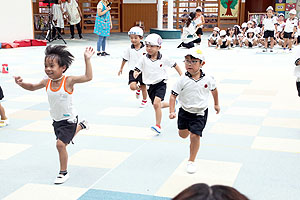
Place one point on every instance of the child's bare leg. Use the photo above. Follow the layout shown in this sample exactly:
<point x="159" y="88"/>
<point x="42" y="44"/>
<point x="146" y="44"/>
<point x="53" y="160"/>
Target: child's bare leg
<point x="2" y="113"/>
<point x="133" y="86"/>
<point x="285" y="42"/>
<point x="194" y="146"/>
<point x="272" y="42"/>
<point x="266" y="43"/>
<point x="290" y="43"/>
<point x="184" y="133"/>
<point x="157" y="108"/>
<point x="144" y="91"/>
<point x="164" y="104"/>
<point x="63" y="154"/>
<point x="78" y="128"/>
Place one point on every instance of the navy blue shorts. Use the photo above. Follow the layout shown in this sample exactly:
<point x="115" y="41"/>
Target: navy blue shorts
<point x="65" y="130"/>
<point x="298" y="88"/>
<point x="193" y="122"/>
<point x="137" y="80"/>
<point x="157" y="90"/>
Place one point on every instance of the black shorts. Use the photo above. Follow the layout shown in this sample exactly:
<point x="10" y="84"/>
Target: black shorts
<point x="199" y="31"/>
<point x="64" y="130"/>
<point x="1" y="93"/>
<point x="137" y="80"/>
<point x="298" y="88"/>
<point x="298" y="39"/>
<point x="157" y="90"/>
<point x="287" y="35"/>
<point x="193" y="122"/>
<point x="224" y="45"/>
<point x="268" y="34"/>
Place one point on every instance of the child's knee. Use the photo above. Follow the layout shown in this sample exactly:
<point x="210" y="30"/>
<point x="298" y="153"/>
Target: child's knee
<point x="184" y="133"/>
<point x="60" y="145"/>
<point x="133" y="86"/>
<point x="195" y="137"/>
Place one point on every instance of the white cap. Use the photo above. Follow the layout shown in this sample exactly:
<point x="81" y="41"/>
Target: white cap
<point x="240" y="35"/>
<point x="250" y="30"/>
<point x="250" y="22"/>
<point x="244" y="25"/>
<point x="196" y="53"/>
<point x="236" y="26"/>
<point x="270" y="8"/>
<point x="136" y="31"/>
<point x="280" y="14"/>
<point x="293" y="11"/>
<point x="199" y="8"/>
<point x="222" y="33"/>
<point x="153" y="39"/>
<point x="216" y="29"/>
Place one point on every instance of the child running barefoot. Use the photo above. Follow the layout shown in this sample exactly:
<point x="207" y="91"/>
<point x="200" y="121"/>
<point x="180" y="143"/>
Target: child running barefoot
<point x="59" y="89"/>
<point x="4" y="120"/>
<point x="132" y="55"/>
<point x="192" y="90"/>
<point x="154" y="66"/>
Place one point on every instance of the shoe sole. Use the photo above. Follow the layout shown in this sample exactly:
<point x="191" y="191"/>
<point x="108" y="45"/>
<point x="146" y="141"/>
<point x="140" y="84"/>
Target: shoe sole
<point x="155" y="130"/>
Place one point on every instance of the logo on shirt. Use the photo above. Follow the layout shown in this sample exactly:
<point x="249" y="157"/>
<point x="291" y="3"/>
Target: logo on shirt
<point x="160" y="65"/>
<point x="205" y="86"/>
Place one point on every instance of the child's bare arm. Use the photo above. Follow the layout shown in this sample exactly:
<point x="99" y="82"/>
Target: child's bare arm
<point x="178" y="70"/>
<point x="30" y="86"/>
<point x="89" y="52"/>
<point x="216" y="100"/>
<point x="122" y="66"/>
<point x="172" y="102"/>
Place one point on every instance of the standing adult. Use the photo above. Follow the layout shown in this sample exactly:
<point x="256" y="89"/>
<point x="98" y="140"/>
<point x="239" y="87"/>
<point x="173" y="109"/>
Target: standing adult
<point x="103" y="24"/>
<point x="74" y="17"/>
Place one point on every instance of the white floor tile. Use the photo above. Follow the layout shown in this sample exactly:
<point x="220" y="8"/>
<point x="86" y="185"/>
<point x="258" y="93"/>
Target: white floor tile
<point x="8" y="150"/>
<point x="276" y="144"/>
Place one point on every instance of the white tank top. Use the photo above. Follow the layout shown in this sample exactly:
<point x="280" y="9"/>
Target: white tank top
<point x="198" y="21"/>
<point x="60" y="100"/>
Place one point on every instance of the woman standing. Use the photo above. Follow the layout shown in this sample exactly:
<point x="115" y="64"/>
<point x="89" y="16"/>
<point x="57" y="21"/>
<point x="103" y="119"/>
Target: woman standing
<point x="103" y="24"/>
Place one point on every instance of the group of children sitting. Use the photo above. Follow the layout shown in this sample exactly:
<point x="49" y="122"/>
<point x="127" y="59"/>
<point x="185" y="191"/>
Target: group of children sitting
<point x="273" y="30"/>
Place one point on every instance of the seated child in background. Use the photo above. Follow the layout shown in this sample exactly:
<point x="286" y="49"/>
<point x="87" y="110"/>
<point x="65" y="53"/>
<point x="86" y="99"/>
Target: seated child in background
<point x="250" y="40"/>
<point x="223" y="41"/>
<point x="231" y="36"/>
<point x="212" y="39"/>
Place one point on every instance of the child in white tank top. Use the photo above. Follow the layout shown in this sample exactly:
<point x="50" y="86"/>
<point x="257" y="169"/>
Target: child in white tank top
<point x="59" y="90"/>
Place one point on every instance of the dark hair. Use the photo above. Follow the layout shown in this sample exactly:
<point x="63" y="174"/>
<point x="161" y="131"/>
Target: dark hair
<point x="198" y="10"/>
<point x="55" y="1"/>
<point x="202" y="191"/>
<point x="236" y="31"/>
<point x="227" y="31"/>
<point x="59" y="52"/>
<point x="190" y="19"/>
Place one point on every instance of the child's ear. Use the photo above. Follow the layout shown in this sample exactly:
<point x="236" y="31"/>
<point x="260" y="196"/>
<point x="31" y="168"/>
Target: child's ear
<point x="64" y="68"/>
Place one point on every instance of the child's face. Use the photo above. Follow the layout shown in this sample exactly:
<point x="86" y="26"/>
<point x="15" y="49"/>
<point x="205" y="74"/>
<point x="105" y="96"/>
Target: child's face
<point x="281" y="18"/>
<point x="215" y="32"/>
<point x="52" y="69"/>
<point x="250" y="34"/>
<point x="135" y="39"/>
<point x="231" y="31"/>
<point x="269" y="13"/>
<point x="292" y="16"/>
<point x="192" y="65"/>
<point x="249" y="25"/>
<point x="198" y="13"/>
<point x="152" y="49"/>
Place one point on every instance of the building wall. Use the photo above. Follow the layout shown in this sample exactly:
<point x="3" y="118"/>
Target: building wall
<point x="257" y="6"/>
<point x="16" y="20"/>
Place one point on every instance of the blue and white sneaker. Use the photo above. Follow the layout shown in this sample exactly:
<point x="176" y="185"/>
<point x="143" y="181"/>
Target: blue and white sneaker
<point x="156" y="129"/>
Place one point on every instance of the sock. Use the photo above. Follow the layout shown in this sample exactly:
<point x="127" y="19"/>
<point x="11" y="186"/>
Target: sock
<point x="144" y="101"/>
<point x="82" y="125"/>
<point x="63" y="172"/>
<point x="158" y="126"/>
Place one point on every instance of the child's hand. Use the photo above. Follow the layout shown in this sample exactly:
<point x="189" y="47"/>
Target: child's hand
<point x="136" y="74"/>
<point x="217" y="108"/>
<point x="89" y="52"/>
<point x="18" y="80"/>
<point x="172" y="115"/>
<point x="120" y="72"/>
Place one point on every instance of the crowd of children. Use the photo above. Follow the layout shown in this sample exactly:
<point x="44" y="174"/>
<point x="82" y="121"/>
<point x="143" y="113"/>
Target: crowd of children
<point x="274" y="30"/>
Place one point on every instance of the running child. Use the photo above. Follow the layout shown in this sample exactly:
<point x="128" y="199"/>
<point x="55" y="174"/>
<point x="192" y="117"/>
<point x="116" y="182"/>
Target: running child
<point x="192" y="90"/>
<point x="4" y="119"/>
<point x="269" y="29"/>
<point x="154" y="66"/>
<point x="132" y="56"/>
<point x="59" y="89"/>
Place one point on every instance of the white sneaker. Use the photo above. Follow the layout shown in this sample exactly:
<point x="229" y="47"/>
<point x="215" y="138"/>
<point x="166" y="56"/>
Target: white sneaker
<point x="4" y="122"/>
<point x="138" y="94"/>
<point x="191" y="167"/>
<point x="156" y="129"/>
<point x="84" y="124"/>
<point x="61" y="178"/>
<point x="143" y="104"/>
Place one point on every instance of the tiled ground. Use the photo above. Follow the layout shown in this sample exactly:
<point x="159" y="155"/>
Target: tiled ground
<point x="253" y="144"/>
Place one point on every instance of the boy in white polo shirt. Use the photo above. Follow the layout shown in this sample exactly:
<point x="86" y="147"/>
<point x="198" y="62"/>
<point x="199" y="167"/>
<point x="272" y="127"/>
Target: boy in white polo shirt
<point x="289" y="30"/>
<point x="132" y="56"/>
<point x="192" y="90"/>
<point x="269" y="28"/>
<point x="297" y="71"/>
<point x="154" y="66"/>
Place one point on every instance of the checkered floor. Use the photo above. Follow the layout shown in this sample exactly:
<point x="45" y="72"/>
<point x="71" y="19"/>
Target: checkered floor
<point x="253" y="144"/>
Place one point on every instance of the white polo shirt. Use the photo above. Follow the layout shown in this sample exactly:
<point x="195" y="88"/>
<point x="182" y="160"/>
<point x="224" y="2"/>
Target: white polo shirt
<point x="154" y="71"/>
<point x="193" y="94"/>
<point x="133" y="55"/>
<point x="269" y="24"/>
<point x="290" y="24"/>
<point x="280" y="27"/>
<point x="213" y="37"/>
